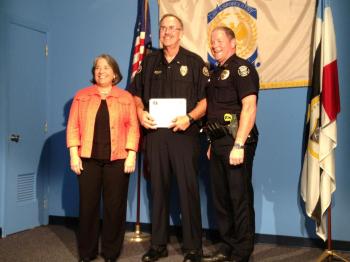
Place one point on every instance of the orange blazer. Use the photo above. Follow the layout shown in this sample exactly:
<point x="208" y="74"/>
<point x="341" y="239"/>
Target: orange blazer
<point x="124" y="127"/>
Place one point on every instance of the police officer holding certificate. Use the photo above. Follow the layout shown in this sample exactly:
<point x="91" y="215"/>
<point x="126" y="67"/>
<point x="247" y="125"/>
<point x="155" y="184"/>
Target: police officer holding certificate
<point x="232" y="104"/>
<point x="172" y="72"/>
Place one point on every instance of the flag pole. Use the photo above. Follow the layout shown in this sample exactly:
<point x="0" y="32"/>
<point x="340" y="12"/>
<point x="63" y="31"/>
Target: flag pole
<point x="329" y="253"/>
<point x="137" y="235"/>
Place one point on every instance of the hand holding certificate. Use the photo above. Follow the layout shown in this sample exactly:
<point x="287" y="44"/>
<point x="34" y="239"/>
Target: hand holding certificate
<point x="164" y="110"/>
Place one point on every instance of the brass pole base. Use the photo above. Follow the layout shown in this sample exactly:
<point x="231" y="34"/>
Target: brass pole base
<point x="137" y="236"/>
<point x="330" y="254"/>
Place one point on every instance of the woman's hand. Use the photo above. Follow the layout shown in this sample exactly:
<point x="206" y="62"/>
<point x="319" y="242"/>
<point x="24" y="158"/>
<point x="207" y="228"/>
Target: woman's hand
<point x="75" y="161"/>
<point x="76" y="164"/>
<point x="130" y="162"/>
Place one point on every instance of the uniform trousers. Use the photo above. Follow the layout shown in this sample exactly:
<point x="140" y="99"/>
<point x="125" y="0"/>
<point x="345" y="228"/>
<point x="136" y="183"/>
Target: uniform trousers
<point x="233" y="198"/>
<point x="169" y="153"/>
<point x="106" y="178"/>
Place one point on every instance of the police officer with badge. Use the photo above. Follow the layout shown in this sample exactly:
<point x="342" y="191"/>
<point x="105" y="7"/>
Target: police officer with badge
<point x="232" y="104"/>
<point x="172" y="72"/>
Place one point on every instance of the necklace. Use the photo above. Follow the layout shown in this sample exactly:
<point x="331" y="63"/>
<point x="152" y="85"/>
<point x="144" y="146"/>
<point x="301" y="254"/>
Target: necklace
<point x="104" y="92"/>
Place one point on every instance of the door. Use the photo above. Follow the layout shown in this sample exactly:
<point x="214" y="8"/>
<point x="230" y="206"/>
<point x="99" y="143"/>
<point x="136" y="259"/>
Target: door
<point x="25" y="204"/>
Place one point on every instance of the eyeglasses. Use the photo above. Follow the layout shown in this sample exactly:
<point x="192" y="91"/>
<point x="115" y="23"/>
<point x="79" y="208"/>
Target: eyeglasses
<point x="170" y="29"/>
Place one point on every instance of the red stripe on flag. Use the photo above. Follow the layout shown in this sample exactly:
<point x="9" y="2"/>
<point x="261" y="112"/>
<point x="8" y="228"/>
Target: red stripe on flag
<point x="330" y="90"/>
<point x="138" y="53"/>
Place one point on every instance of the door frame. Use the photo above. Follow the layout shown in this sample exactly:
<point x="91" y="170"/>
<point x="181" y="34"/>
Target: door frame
<point x="4" y="116"/>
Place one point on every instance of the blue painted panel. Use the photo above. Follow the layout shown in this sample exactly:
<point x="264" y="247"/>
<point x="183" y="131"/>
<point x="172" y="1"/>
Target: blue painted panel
<point x="278" y="161"/>
<point x="34" y="12"/>
<point x="341" y="211"/>
<point x="30" y="10"/>
<point x="26" y="118"/>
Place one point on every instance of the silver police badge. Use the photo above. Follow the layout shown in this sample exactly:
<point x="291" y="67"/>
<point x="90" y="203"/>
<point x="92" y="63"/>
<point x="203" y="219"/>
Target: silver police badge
<point x="205" y="71"/>
<point x="224" y="74"/>
<point x="183" y="70"/>
<point x="243" y="71"/>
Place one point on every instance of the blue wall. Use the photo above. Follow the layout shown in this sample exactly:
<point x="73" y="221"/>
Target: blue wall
<point x="341" y="214"/>
<point x="80" y="30"/>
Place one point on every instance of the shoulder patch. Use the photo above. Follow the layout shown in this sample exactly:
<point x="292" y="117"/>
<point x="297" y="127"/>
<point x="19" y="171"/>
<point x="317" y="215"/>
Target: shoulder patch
<point x="243" y="71"/>
<point x="139" y="69"/>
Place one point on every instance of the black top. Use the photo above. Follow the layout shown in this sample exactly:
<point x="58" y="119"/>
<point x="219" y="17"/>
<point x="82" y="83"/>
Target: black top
<point x="229" y="84"/>
<point x="184" y="77"/>
<point x="101" y="147"/>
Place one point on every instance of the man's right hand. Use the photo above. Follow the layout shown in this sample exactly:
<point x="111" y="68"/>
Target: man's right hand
<point x="147" y="121"/>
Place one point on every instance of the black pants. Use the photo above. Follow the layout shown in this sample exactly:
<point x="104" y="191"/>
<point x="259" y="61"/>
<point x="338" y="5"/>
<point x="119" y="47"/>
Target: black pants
<point x="233" y="198"/>
<point x="106" y="178"/>
<point x="168" y="154"/>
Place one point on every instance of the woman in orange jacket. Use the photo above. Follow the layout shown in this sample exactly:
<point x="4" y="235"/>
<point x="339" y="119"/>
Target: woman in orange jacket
<point x="102" y="137"/>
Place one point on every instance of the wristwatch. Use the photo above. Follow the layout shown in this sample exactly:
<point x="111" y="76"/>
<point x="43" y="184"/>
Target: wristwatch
<point x="238" y="146"/>
<point x="190" y="118"/>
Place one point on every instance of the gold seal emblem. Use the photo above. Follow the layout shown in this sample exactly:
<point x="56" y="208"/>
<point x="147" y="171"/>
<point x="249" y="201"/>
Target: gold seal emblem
<point x="205" y="71"/>
<point x="241" y="20"/>
<point x="243" y="71"/>
<point x="224" y="74"/>
<point x="183" y="70"/>
<point x="157" y="72"/>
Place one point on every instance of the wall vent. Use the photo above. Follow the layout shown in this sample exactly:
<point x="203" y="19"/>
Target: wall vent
<point x="25" y="187"/>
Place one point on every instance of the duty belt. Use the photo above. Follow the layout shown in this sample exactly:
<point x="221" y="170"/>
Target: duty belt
<point x="215" y="130"/>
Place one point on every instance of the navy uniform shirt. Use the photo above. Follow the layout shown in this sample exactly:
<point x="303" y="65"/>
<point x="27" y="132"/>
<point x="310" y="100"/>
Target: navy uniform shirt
<point x="229" y="84"/>
<point x="186" y="76"/>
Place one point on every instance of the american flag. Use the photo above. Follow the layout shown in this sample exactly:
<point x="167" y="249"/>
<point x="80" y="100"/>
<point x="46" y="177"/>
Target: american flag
<point x="142" y="37"/>
<point x="318" y="174"/>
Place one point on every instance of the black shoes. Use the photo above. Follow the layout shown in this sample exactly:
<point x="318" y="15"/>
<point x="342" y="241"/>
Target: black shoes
<point x="217" y="257"/>
<point x="154" y="254"/>
<point x="85" y="259"/>
<point x="193" y="256"/>
<point x="88" y="259"/>
<point x="110" y="259"/>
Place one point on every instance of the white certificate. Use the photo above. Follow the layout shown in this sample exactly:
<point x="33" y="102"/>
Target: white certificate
<point x="164" y="110"/>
